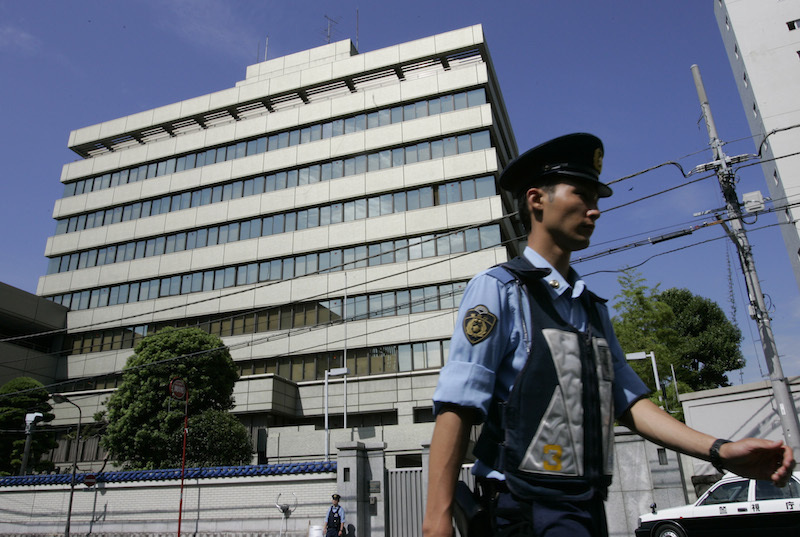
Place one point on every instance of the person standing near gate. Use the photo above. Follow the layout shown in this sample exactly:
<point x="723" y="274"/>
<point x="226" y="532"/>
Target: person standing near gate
<point x="334" y="519"/>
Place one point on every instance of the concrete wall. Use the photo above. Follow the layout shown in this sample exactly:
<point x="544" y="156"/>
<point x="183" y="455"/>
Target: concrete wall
<point x="213" y="505"/>
<point x="640" y="479"/>
<point x="247" y="504"/>
<point x="733" y="412"/>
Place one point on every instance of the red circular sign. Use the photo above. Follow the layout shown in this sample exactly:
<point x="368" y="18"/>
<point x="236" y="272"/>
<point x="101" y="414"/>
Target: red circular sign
<point x="177" y="388"/>
<point x="89" y="480"/>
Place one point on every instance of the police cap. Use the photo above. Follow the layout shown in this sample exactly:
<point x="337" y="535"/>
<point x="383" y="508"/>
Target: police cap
<point x="578" y="155"/>
<point x="336" y="497"/>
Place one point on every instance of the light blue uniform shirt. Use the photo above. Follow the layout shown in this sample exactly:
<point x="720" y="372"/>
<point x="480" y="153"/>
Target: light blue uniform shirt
<point x="474" y="374"/>
<point x="341" y="513"/>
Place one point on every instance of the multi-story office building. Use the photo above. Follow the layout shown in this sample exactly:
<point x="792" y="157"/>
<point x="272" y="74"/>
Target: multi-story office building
<point x="762" y="39"/>
<point x="325" y="212"/>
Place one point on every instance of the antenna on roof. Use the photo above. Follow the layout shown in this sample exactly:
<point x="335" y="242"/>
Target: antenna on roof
<point x="328" y="34"/>
<point x="258" y="50"/>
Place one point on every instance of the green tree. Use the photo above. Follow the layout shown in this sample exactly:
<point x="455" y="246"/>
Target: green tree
<point x="19" y="397"/>
<point x="643" y="323"/>
<point x="709" y="344"/>
<point x="215" y="429"/>
<point x="686" y="332"/>
<point x="145" y="424"/>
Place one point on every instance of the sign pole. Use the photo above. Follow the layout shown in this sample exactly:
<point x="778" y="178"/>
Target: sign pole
<point x="177" y="388"/>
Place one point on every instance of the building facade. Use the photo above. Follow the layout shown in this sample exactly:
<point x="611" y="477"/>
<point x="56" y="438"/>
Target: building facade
<point x="326" y="212"/>
<point x="22" y="314"/>
<point x="762" y="40"/>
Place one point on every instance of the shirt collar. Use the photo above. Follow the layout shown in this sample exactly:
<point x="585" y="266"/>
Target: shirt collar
<point x="555" y="281"/>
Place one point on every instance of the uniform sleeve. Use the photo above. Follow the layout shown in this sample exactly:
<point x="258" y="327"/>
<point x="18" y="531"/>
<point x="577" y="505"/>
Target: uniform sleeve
<point x="628" y="387"/>
<point x="481" y="339"/>
<point x="342" y="513"/>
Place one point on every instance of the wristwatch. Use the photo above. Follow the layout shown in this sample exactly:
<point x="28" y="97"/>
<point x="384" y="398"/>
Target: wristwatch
<point x="713" y="454"/>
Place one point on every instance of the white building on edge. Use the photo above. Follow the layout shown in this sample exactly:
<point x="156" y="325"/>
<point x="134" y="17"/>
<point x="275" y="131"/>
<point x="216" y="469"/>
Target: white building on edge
<point x="762" y="39"/>
<point x="333" y="204"/>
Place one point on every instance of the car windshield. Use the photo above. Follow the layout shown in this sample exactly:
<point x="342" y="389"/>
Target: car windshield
<point x="765" y="490"/>
<point x="735" y="491"/>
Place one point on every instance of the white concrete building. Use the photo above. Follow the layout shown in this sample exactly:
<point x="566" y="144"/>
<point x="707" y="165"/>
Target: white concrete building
<point x="762" y="39"/>
<point x="325" y="212"/>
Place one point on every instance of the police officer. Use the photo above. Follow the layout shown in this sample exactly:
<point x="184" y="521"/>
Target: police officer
<point x="334" y="518"/>
<point x="535" y="359"/>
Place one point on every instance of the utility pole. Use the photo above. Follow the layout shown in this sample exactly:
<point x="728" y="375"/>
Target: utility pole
<point x="757" y="307"/>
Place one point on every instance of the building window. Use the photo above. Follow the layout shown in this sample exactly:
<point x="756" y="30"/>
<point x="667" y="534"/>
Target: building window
<point x="424" y="415"/>
<point x="793" y="25"/>
<point x="299" y="315"/>
<point x="408" y="461"/>
<point x="435" y="149"/>
<point x="454" y="192"/>
<point x="337" y="127"/>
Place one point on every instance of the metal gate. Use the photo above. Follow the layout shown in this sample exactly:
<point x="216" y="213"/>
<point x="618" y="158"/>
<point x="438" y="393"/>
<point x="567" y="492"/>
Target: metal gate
<point x="405" y="502"/>
<point x="406" y="508"/>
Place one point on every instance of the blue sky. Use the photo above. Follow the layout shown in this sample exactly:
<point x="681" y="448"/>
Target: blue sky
<point x="620" y="70"/>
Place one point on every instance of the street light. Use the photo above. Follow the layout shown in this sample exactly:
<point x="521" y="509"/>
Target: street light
<point x="31" y="419"/>
<point x="644" y="356"/>
<point x="335" y="372"/>
<point x="59" y="398"/>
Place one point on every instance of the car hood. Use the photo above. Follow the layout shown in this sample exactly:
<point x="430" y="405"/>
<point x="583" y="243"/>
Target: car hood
<point x="670" y="512"/>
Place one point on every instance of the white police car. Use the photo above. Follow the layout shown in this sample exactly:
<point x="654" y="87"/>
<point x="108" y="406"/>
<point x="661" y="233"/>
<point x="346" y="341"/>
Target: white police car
<point x="732" y="506"/>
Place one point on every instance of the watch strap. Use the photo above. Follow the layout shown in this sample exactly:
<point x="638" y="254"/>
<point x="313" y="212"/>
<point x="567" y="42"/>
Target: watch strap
<point x="714" y="456"/>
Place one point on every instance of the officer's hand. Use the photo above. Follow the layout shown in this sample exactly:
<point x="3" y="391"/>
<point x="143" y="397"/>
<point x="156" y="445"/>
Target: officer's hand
<point x="756" y="458"/>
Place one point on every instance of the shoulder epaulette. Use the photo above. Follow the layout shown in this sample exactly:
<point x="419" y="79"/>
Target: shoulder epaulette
<point x="500" y="273"/>
<point x="518" y="268"/>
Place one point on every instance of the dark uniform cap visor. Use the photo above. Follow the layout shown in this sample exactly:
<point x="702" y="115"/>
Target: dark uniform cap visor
<point x="578" y="156"/>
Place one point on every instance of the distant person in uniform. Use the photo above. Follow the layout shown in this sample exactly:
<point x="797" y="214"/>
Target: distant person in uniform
<point x="334" y="519"/>
<point x="534" y="359"/>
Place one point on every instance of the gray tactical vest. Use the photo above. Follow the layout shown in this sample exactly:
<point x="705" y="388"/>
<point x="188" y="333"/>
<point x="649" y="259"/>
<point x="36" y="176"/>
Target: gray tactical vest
<point x="554" y="435"/>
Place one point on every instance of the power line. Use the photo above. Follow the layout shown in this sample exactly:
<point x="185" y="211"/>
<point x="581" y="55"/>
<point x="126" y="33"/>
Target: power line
<point x="258" y="286"/>
<point x="328" y="293"/>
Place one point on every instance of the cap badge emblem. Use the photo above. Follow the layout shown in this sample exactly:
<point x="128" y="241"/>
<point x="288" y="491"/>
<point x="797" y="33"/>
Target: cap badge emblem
<point x="597" y="161"/>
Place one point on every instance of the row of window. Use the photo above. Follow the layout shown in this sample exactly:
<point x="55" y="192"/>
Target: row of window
<point x="312" y="133"/>
<point x="280" y="223"/>
<point x="387" y="158"/>
<point x="360" y="362"/>
<point x="285" y="317"/>
<point x="393" y="251"/>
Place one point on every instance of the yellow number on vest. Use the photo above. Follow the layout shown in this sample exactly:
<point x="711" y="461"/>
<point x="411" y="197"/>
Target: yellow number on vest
<point x="552" y="457"/>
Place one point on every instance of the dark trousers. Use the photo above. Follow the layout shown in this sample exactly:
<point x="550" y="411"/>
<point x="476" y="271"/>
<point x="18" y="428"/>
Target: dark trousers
<point x="559" y="518"/>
